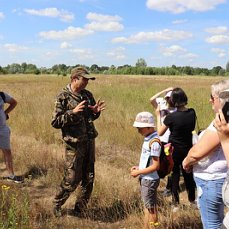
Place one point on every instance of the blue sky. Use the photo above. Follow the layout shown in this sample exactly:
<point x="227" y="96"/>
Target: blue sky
<point x="118" y="32"/>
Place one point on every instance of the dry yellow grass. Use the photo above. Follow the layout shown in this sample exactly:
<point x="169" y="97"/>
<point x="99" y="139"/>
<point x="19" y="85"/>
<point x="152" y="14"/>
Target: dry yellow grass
<point x="38" y="151"/>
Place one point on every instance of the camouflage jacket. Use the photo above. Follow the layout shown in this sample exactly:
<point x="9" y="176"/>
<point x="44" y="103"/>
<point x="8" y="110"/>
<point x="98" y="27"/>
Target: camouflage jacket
<point x="78" y="126"/>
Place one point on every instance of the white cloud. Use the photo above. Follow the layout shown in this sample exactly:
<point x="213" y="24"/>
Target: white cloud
<point x="65" y="45"/>
<point x="163" y="35"/>
<point x="189" y="56"/>
<point x="178" y="52"/>
<point x="100" y="22"/>
<point x="102" y="17"/>
<point x="217" y="30"/>
<point x="179" y="21"/>
<point x="14" y="48"/>
<point x="83" y="54"/>
<point x="117" y="54"/>
<point x="220" y="52"/>
<point x="173" y="50"/>
<point x="50" y="54"/>
<point x="180" y="6"/>
<point x="105" y="26"/>
<point x="218" y="39"/>
<point x="2" y="16"/>
<point x="52" y="12"/>
<point x="68" y="34"/>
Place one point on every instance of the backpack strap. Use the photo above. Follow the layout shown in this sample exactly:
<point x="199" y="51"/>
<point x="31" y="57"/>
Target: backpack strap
<point x="154" y="140"/>
<point x="3" y="96"/>
<point x="150" y="144"/>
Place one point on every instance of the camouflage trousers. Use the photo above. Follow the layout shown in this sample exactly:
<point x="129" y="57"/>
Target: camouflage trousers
<point x="79" y="169"/>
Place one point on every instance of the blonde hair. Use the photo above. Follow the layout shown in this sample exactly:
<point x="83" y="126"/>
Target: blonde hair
<point x="218" y="87"/>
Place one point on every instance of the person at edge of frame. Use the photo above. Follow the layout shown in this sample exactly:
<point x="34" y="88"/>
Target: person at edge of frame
<point x="5" y="136"/>
<point x="209" y="166"/>
<point x="223" y="131"/>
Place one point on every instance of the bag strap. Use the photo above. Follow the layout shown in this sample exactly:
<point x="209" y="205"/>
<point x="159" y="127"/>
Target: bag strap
<point x="154" y="140"/>
<point x="3" y="96"/>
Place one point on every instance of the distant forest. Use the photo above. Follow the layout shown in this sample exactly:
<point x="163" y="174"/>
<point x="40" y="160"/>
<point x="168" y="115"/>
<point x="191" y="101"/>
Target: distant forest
<point x="140" y="68"/>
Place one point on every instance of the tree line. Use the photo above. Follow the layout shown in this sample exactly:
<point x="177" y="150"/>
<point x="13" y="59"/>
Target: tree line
<point x="140" y="68"/>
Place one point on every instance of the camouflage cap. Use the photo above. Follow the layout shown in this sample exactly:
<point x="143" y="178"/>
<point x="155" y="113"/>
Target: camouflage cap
<point x="81" y="72"/>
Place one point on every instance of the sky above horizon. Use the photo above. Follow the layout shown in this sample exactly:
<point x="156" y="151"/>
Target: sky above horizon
<point x="115" y="32"/>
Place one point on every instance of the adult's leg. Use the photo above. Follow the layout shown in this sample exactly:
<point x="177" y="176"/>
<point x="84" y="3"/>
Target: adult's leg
<point x="8" y="161"/>
<point x="175" y="178"/>
<point x="210" y="202"/>
<point x="225" y="195"/>
<point x="74" y="157"/>
<point x="189" y="184"/>
<point x="88" y="174"/>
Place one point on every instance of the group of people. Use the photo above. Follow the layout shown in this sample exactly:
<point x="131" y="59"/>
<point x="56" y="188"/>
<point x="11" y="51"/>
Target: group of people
<point x="203" y="165"/>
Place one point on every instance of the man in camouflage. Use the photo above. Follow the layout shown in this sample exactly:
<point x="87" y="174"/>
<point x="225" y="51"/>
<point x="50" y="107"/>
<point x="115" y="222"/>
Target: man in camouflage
<point x="75" y="111"/>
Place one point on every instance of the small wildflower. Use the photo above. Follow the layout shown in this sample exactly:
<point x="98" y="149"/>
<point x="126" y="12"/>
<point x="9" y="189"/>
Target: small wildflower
<point x="5" y="187"/>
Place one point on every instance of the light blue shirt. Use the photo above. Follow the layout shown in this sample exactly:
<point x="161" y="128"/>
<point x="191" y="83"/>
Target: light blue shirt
<point x="147" y="154"/>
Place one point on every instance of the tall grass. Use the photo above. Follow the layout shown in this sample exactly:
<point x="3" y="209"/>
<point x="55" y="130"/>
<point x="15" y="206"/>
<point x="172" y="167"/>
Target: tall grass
<point x="38" y="152"/>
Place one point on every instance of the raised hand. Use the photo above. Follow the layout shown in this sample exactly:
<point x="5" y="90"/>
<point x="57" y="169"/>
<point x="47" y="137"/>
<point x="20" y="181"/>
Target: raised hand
<point x="98" y="107"/>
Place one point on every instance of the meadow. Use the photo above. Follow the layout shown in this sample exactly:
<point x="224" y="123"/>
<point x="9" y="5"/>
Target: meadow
<point x="39" y="154"/>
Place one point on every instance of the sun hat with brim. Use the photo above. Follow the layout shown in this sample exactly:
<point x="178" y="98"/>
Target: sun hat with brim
<point x="81" y="72"/>
<point x="144" y="119"/>
<point x="224" y="94"/>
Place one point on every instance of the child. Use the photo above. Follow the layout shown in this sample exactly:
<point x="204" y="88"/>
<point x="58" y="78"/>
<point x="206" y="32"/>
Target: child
<point x="148" y="166"/>
<point x="166" y="107"/>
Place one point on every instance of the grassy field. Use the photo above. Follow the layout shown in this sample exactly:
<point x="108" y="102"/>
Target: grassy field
<point x="38" y="152"/>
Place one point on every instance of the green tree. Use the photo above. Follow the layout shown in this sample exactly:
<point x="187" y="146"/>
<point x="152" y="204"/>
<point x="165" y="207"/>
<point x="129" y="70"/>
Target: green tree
<point x="94" y="68"/>
<point x="227" y="67"/>
<point x="141" y="63"/>
<point x="215" y="70"/>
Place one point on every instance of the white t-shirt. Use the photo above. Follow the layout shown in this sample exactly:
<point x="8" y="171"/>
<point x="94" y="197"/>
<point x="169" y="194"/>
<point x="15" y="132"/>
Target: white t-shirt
<point x="213" y="166"/>
<point x="164" y="111"/>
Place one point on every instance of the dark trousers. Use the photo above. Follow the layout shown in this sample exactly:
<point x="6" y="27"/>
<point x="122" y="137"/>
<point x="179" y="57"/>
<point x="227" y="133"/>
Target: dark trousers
<point x="189" y="182"/>
<point x="79" y="169"/>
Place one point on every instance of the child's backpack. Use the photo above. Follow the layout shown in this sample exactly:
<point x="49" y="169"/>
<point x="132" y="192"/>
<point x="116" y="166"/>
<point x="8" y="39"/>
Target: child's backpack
<point x="3" y="96"/>
<point x="166" y="159"/>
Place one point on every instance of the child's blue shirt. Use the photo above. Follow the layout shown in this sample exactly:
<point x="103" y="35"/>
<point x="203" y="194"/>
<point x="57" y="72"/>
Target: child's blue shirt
<point x="147" y="154"/>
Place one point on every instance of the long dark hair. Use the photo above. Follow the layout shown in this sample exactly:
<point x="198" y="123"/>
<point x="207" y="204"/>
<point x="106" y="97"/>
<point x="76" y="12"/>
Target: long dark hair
<point x="178" y="97"/>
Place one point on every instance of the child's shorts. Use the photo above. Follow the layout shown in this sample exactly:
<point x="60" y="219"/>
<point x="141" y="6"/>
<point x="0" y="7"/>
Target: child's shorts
<point x="149" y="192"/>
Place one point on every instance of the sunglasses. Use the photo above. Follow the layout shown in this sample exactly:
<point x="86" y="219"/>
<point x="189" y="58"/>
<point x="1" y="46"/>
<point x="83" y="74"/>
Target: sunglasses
<point x="213" y="97"/>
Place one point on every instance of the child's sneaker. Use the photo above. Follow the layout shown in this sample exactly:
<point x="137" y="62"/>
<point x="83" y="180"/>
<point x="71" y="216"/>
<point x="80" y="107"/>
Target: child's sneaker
<point x="16" y="179"/>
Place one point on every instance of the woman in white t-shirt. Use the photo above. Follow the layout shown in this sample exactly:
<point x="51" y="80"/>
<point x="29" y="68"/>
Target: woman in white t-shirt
<point x="209" y="167"/>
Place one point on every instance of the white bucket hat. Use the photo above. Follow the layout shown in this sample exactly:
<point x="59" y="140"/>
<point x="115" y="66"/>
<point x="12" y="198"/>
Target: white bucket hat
<point x="144" y="119"/>
<point x="168" y="94"/>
